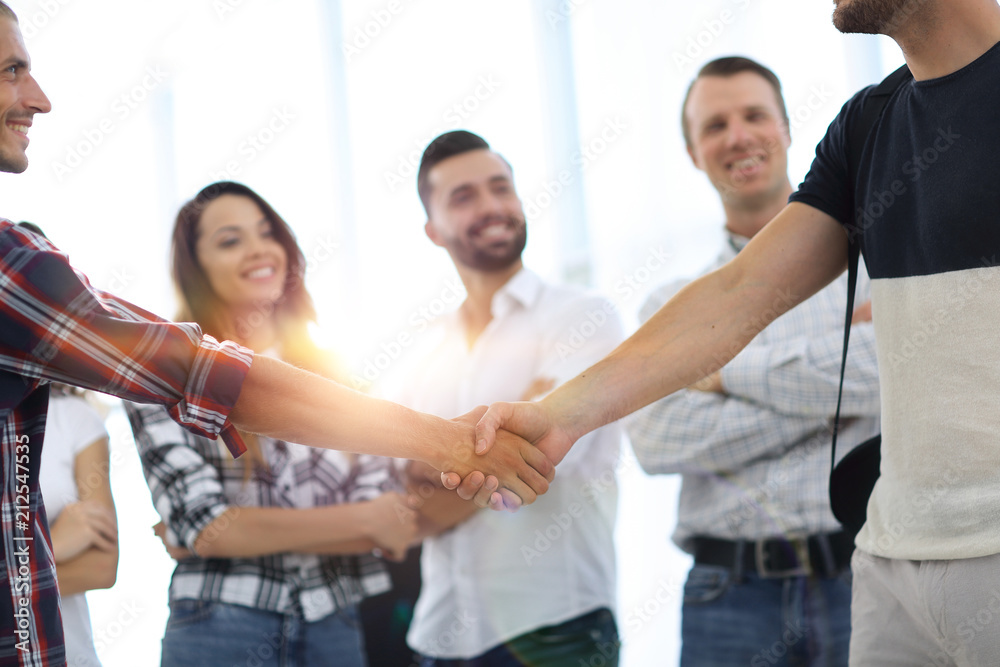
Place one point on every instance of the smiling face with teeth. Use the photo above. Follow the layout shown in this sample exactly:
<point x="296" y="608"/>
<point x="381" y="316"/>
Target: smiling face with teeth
<point x="20" y="97"/>
<point x="236" y="249"/>
<point x="475" y="212"/>
<point x="739" y="139"/>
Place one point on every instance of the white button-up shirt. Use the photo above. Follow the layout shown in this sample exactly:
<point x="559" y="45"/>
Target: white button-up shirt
<point x="499" y="575"/>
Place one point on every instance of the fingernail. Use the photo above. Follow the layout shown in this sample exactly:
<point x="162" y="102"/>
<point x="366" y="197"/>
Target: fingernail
<point x="480" y="446"/>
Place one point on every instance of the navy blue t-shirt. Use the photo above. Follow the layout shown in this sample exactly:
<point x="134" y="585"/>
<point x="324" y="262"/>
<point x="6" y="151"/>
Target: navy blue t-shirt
<point x="926" y="194"/>
<point x="926" y="202"/>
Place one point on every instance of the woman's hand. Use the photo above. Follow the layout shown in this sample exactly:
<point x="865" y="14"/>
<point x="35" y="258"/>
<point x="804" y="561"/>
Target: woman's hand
<point x="391" y="524"/>
<point x="83" y="525"/>
<point x="177" y="553"/>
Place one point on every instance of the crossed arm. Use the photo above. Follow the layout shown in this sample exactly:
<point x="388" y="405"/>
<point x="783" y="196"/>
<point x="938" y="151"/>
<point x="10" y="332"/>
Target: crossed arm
<point x="85" y="534"/>
<point x="188" y="478"/>
<point x="697" y="332"/>
<point x="245" y="532"/>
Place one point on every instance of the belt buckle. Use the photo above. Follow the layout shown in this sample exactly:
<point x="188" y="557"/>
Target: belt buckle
<point x="799" y="544"/>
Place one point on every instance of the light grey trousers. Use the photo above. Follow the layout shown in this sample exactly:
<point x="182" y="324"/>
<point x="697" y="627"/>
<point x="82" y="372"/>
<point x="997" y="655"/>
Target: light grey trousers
<point x="934" y="613"/>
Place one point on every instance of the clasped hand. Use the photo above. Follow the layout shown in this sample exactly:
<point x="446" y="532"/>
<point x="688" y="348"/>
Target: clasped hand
<point x="82" y="525"/>
<point x="508" y="470"/>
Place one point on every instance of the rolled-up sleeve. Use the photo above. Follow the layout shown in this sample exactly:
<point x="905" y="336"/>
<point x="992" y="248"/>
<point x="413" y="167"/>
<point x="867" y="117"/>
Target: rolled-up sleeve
<point x="212" y="388"/>
<point x="58" y="328"/>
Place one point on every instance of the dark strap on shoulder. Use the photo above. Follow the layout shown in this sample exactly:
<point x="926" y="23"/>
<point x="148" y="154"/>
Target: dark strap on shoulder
<point x="874" y="104"/>
<point x="853" y="249"/>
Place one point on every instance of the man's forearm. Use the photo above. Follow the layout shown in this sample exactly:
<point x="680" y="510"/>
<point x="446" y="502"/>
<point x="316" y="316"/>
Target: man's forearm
<point x="692" y="430"/>
<point x="707" y="323"/>
<point x="284" y="402"/>
<point x="793" y="376"/>
<point x="693" y="335"/>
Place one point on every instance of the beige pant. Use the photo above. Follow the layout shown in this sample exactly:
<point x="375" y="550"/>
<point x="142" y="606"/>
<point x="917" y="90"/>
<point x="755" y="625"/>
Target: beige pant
<point x="934" y="613"/>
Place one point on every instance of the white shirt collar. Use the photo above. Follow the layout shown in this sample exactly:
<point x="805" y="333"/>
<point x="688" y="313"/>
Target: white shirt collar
<point x="737" y="241"/>
<point x="523" y="289"/>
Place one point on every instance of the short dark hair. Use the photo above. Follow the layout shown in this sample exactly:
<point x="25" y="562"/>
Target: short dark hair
<point x="440" y="149"/>
<point x="33" y="227"/>
<point x="7" y="11"/>
<point x="726" y="67"/>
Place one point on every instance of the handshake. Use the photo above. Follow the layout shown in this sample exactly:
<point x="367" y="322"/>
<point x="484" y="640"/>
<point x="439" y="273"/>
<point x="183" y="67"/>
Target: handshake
<point x="517" y="446"/>
<point x="502" y="457"/>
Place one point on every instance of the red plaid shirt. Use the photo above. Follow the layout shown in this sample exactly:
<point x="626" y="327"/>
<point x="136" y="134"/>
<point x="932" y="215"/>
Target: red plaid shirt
<point x="55" y="327"/>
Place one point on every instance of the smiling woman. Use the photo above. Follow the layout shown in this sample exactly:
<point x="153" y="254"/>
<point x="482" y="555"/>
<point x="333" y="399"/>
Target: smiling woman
<point x="244" y="263"/>
<point x="296" y="524"/>
<point x="235" y="261"/>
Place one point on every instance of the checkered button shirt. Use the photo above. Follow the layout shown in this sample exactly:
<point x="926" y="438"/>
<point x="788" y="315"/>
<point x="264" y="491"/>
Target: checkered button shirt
<point x="755" y="462"/>
<point x="54" y="327"/>
<point x="193" y="481"/>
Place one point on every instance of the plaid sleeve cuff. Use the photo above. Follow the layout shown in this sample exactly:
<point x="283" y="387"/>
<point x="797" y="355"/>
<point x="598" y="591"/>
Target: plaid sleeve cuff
<point x="213" y="385"/>
<point x="195" y="525"/>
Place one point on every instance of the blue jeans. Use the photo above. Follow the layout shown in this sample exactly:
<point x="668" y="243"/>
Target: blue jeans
<point x="764" y="622"/>
<point x="590" y="640"/>
<point x="224" y="635"/>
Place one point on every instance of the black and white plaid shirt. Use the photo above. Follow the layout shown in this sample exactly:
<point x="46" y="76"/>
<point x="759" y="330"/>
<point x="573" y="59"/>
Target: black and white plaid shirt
<point x="193" y="480"/>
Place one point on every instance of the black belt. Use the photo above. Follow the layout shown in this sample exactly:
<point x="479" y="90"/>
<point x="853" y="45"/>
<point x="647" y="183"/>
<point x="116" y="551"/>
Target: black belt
<point x="823" y="555"/>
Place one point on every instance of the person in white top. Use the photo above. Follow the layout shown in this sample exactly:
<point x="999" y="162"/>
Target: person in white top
<point x="81" y="512"/>
<point x="535" y="587"/>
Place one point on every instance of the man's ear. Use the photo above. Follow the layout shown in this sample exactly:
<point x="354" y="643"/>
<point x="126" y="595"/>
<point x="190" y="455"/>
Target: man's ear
<point x="432" y="233"/>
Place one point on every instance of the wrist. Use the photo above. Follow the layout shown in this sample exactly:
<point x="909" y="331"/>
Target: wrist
<point x="565" y="416"/>
<point x="363" y="520"/>
<point x="449" y="440"/>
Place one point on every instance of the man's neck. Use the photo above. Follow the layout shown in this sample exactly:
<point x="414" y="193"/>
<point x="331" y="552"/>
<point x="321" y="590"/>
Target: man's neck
<point x="481" y="287"/>
<point x="939" y="38"/>
<point x="747" y="221"/>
